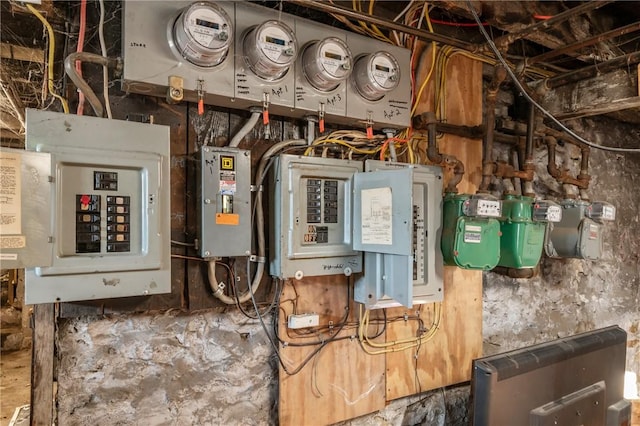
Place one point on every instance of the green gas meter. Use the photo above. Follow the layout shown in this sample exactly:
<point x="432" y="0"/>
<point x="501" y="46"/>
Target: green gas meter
<point x="471" y="231"/>
<point x="523" y="224"/>
<point x="579" y="233"/>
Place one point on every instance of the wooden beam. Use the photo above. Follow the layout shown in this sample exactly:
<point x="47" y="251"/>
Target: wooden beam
<point x="42" y="365"/>
<point x="602" y="108"/>
<point x="21" y="53"/>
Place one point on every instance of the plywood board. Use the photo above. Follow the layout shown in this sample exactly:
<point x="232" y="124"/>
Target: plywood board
<point x="446" y="358"/>
<point x="342" y="381"/>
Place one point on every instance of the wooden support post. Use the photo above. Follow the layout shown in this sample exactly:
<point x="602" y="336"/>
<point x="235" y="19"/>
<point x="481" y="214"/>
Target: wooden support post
<point x="42" y="365"/>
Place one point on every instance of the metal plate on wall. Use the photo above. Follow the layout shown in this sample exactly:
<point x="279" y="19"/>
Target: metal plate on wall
<point x="25" y="194"/>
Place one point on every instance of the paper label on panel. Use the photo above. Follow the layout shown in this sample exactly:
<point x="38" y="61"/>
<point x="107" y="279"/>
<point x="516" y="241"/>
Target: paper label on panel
<point x="12" y="242"/>
<point x="10" y="187"/>
<point x="377" y="223"/>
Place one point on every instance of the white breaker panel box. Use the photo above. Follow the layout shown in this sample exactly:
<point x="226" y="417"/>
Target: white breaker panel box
<point x="24" y="223"/>
<point x="398" y="227"/>
<point x="238" y="55"/>
<point x="224" y="202"/>
<point x="311" y="217"/>
<point x="109" y="213"/>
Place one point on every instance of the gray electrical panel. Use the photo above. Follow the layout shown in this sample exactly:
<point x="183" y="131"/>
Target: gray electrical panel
<point x="24" y="223"/>
<point x="224" y="202"/>
<point x="398" y="227"/>
<point x="109" y="214"/>
<point x="311" y="217"/>
<point x="579" y="232"/>
<point x="264" y="58"/>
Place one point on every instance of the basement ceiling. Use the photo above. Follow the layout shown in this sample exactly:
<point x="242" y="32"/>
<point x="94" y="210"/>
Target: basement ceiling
<point x="566" y="41"/>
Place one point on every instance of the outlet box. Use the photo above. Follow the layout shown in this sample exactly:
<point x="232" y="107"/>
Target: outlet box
<point x="303" y="321"/>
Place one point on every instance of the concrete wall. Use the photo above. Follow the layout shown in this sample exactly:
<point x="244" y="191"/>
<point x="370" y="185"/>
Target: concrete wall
<point x="212" y="368"/>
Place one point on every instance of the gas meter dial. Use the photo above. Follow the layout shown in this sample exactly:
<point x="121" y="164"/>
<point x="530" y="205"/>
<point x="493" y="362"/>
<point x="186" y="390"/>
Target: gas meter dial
<point x="326" y="63"/>
<point x="376" y="74"/>
<point x="202" y="34"/>
<point x="269" y="49"/>
<point x="482" y="206"/>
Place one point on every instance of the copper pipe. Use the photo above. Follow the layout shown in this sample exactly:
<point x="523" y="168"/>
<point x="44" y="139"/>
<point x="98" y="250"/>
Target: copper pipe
<point x="507" y="39"/>
<point x="488" y="166"/>
<point x="327" y="7"/>
<point x="585" y="43"/>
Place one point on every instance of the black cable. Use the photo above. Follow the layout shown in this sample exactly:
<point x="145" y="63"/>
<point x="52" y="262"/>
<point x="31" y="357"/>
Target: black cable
<point x="516" y="81"/>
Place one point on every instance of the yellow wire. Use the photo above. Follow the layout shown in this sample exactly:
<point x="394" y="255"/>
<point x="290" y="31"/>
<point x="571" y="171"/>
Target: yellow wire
<point x="433" y="62"/>
<point x="393" y="346"/>
<point x="342" y="143"/>
<point x="52" y="47"/>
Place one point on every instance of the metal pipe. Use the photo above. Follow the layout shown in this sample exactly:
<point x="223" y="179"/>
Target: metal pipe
<point x="584" y="43"/>
<point x="515" y="273"/>
<point x="428" y="119"/>
<point x="488" y="166"/>
<point x="81" y="84"/>
<point x="563" y="176"/>
<point x="385" y="23"/>
<point x="590" y="71"/>
<point x="507" y="39"/>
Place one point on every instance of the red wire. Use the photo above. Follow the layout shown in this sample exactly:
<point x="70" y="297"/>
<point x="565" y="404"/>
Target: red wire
<point x="457" y="24"/>
<point x="81" y="32"/>
<point x="542" y="17"/>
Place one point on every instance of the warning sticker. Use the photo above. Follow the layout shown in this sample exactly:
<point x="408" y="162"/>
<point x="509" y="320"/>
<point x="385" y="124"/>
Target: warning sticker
<point x="228" y="183"/>
<point x="377" y="223"/>
<point x="13" y="242"/>
<point x="594" y="230"/>
<point x="10" y="187"/>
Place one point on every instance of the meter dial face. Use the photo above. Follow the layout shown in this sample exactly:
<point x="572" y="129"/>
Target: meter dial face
<point x="203" y="33"/>
<point x="376" y="74"/>
<point x="326" y="63"/>
<point x="270" y="49"/>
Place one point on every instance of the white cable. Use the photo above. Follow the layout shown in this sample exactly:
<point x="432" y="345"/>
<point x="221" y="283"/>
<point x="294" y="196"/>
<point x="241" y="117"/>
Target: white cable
<point x="496" y="51"/>
<point x="244" y="131"/>
<point x="105" y="70"/>
<point x="405" y="10"/>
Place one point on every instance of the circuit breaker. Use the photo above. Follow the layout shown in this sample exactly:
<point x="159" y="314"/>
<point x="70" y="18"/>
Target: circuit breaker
<point x="523" y="224"/>
<point x="471" y="231"/>
<point x="224" y="202"/>
<point x="24" y="189"/>
<point x="399" y="268"/>
<point x="109" y="214"/>
<point x="579" y="233"/>
<point x="311" y="217"/>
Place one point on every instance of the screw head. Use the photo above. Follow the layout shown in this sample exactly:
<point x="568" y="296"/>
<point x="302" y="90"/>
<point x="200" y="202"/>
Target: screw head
<point x="207" y="253"/>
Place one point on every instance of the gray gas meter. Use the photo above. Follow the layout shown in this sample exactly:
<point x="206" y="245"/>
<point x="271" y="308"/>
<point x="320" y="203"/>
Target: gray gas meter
<point x="579" y="232"/>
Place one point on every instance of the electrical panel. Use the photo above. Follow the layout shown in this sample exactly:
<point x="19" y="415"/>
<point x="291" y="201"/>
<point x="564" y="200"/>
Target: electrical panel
<point x="24" y="190"/>
<point x="471" y="231"/>
<point x="238" y="55"/>
<point x="311" y="217"/>
<point x="399" y="269"/>
<point x="579" y="233"/>
<point x="108" y="221"/>
<point x="224" y="202"/>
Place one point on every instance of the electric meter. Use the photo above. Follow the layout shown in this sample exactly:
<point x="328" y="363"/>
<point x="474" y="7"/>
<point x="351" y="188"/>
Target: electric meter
<point x="326" y="63"/>
<point x="203" y="33"/>
<point x="269" y="49"/>
<point x="376" y="74"/>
